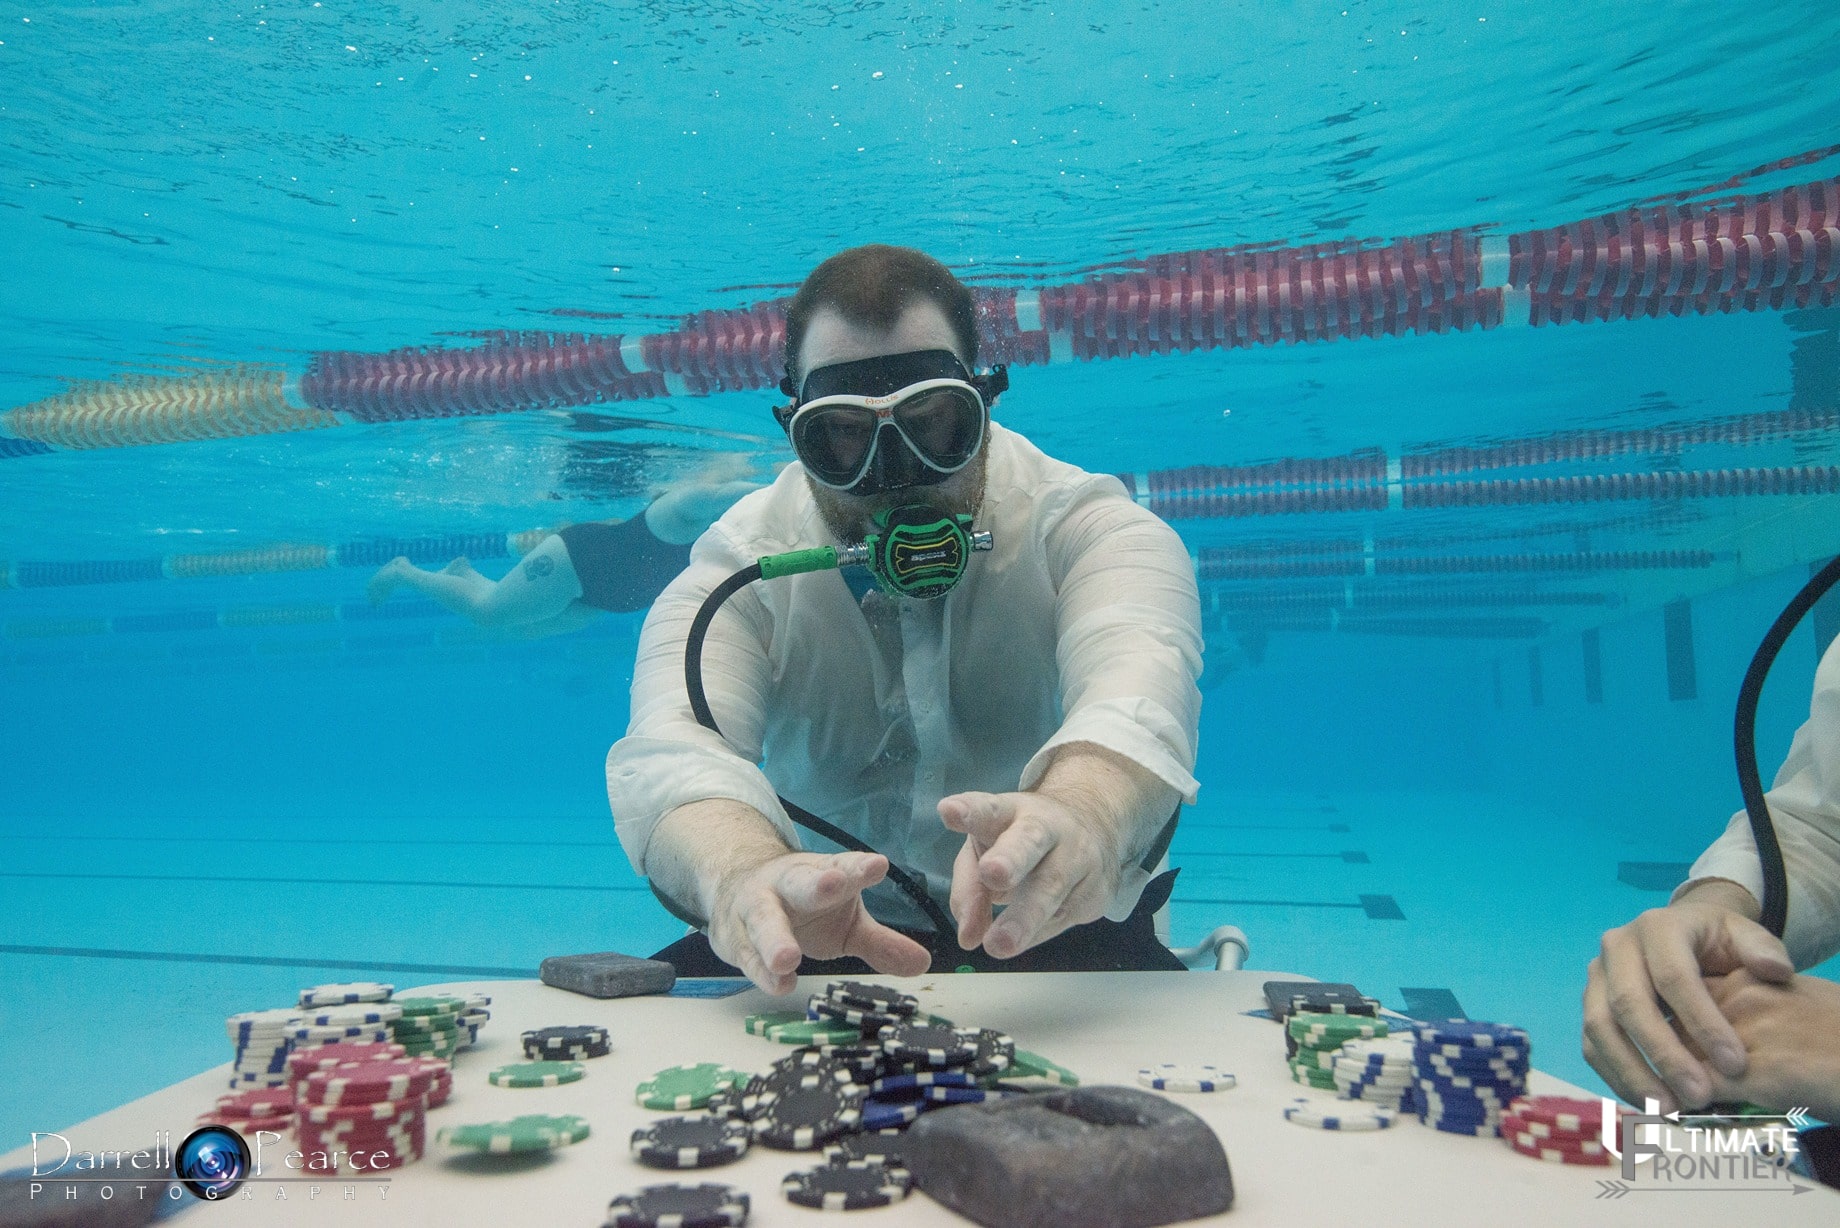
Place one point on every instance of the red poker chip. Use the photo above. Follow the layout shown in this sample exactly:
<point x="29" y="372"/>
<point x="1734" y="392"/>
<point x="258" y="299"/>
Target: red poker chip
<point x="1559" y="1155"/>
<point x="249" y="1125"/>
<point x="377" y="1110"/>
<point x="1568" y="1113"/>
<point x="365" y="1083"/>
<point x="257" y="1102"/>
<point x="1584" y="1146"/>
<point x="1545" y="1130"/>
<point x="301" y="1061"/>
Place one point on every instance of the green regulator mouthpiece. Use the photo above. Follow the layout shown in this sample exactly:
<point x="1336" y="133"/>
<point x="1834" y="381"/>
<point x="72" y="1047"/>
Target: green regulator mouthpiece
<point x="913" y="551"/>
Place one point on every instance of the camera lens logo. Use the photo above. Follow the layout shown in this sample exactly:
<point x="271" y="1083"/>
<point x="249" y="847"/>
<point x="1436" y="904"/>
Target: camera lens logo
<point x="212" y="1162"/>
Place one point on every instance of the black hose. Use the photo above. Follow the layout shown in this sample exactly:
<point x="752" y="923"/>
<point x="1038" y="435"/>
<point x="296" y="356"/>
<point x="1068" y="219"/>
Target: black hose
<point x="1775" y="903"/>
<point x="699" y="705"/>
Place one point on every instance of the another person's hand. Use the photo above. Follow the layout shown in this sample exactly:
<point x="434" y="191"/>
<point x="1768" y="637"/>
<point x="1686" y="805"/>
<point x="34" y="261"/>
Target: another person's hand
<point x="1791" y="1035"/>
<point x="1658" y="963"/>
<point x="768" y="916"/>
<point x="1049" y="865"/>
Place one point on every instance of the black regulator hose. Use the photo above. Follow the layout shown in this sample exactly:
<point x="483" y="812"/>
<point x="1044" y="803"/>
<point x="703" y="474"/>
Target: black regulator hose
<point x="699" y="704"/>
<point x="1775" y="903"/>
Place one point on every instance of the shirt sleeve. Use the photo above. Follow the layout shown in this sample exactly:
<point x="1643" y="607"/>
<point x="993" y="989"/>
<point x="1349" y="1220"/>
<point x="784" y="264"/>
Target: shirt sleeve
<point x="1804" y="804"/>
<point x="668" y="759"/>
<point x="1128" y="621"/>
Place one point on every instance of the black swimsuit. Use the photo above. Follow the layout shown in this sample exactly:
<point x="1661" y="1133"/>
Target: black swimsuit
<point x="622" y="566"/>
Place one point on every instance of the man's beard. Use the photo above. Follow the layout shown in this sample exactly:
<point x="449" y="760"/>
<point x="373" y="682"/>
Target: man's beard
<point x="851" y="517"/>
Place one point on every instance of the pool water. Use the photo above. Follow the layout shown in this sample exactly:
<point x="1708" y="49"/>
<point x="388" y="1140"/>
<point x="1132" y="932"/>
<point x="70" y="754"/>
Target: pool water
<point x="1443" y="747"/>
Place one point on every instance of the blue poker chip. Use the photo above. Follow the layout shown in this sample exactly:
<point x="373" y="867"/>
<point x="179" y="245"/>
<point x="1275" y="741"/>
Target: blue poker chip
<point x="878" y="1114"/>
<point x="962" y="1095"/>
<point x="912" y="1085"/>
<point x="1472" y="1032"/>
<point x="1474" y="1129"/>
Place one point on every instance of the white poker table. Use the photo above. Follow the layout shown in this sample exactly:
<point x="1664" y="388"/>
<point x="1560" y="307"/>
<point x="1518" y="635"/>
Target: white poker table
<point x="1104" y="1026"/>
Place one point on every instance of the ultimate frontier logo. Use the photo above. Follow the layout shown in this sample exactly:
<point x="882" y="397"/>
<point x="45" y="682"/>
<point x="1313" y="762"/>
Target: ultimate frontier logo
<point x="1670" y="1152"/>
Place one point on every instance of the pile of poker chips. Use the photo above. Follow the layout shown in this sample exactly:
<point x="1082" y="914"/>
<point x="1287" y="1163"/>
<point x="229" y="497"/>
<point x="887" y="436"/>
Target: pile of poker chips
<point x="1380" y="1070"/>
<point x="1317" y="1023"/>
<point x="1557" y="1129"/>
<point x="429" y="1026"/>
<point x="1468" y="1074"/>
<point x="567" y="1044"/>
<point x="373" y="1110"/>
<point x="473" y="1017"/>
<point x="868" y="1062"/>
<point x="262" y="1040"/>
<point x="303" y="1062"/>
<point x="268" y="1109"/>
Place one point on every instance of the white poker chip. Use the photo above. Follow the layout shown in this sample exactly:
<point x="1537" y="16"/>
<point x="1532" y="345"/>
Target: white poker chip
<point x="1338" y="1114"/>
<point x="1175" y="1077"/>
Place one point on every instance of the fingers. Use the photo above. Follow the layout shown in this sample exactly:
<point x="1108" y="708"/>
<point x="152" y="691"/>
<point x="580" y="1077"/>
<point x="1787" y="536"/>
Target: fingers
<point x="1631" y="995"/>
<point x="1030" y="916"/>
<point x="1674" y="971"/>
<point x="1760" y="952"/>
<point x="764" y="947"/>
<point x="813" y="885"/>
<point x="886" y="950"/>
<point x="1610" y="1052"/>
<point x="971" y="902"/>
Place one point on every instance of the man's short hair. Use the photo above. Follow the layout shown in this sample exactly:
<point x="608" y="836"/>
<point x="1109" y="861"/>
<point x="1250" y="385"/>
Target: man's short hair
<point x="870" y="286"/>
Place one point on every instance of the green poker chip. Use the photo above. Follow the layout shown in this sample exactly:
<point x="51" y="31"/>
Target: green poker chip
<point x="757" y="1025"/>
<point x="521" y="1134"/>
<point x="438" y="1005"/>
<point x="536" y="1074"/>
<point x="677" y="1088"/>
<point x="442" y="1022"/>
<point x="1027" y="1065"/>
<point x="803" y="1031"/>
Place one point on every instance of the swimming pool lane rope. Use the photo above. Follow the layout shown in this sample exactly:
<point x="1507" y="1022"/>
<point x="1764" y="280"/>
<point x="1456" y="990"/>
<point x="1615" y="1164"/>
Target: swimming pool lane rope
<point x="1763" y="251"/>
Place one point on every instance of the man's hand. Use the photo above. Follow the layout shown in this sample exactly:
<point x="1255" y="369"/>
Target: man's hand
<point x="1658" y="963"/>
<point x="1051" y="866"/>
<point x="1791" y="1034"/>
<point x="767" y="916"/>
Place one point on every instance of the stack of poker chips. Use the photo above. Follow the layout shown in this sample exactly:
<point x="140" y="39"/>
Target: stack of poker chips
<point x="1557" y="1129"/>
<point x="1468" y="1074"/>
<point x="367" y="1114"/>
<point x="355" y="1023"/>
<point x="567" y="1044"/>
<point x="262" y="1040"/>
<point x="1381" y="1070"/>
<point x="473" y="1017"/>
<point x="303" y="1062"/>
<point x="429" y="1026"/>
<point x="269" y="1109"/>
<point x="1317" y="1023"/>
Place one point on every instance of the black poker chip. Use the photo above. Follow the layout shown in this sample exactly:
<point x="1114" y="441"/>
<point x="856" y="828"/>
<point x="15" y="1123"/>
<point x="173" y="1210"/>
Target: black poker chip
<point x="1331" y="1002"/>
<point x="567" y="1044"/>
<point x="866" y="997"/>
<point x="932" y="1046"/>
<point x="763" y="1091"/>
<point x="727" y="1103"/>
<point x="679" y="1206"/>
<point x="817" y="1058"/>
<point x="851" y="1186"/>
<point x="862" y="1061"/>
<point x="807" y="1117"/>
<point x="692" y="1142"/>
<point x="996" y="1052"/>
<point x="881" y="1146"/>
<point x="821" y="1007"/>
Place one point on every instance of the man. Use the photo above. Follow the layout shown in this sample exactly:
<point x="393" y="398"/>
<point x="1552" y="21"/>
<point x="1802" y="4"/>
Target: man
<point x="1696" y="1002"/>
<point x="1020" y="742"/>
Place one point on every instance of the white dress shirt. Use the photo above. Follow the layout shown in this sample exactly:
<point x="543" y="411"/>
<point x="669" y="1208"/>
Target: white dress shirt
<point x="1082" y="624"/>
<point x="1805" y="805"/>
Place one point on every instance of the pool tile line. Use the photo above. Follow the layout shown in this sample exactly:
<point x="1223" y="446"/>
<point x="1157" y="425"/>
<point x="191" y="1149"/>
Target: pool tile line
<point x="322" y="882"/>
<point x="270" y="961"/>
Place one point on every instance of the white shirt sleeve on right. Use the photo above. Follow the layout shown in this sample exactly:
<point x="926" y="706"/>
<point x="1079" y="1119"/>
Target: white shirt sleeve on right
<point x="1804" y="802"/>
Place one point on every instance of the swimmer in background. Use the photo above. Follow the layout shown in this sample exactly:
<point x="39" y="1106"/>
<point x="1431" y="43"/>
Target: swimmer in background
<point x="575" y="575"/>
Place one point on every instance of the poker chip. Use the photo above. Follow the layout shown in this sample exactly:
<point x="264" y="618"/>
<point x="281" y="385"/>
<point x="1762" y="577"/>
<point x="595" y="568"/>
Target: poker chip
<point x="882" y="1146"/>
<point x="805" y="1031"/>
<point x="440" y="1022"/>
<point x="679" y="1206"/>
<point x="863" y="1062"/>
<point x="247" y="1126"/>
<point x="996" y="1053"/>
<point x="1473" y="1034"/>
<point x="853" y="1185"/>
<point x="1314" y="1027"/>
<point x="1173" y="1077"/>
<point x="821" y="1007"/>
<point x="691" y="1142"/>
<point x="431" y="1004"/>
<point x="912" y="1085"/>
<point x="520" y="1134"/>
<point x="757" y="1025"/>
<point x="365" y="1083"/>
<point x="1338" y="1115"/>
<point x="347" y="994"/>
<point x="878" y="998"/>
<point x="536" y="1074"/>
<point x="686" y="1087"/>
<point x="962" y="1095"/>
<point x="879" y="1114"/>
<point x="930" y="1045"/>
<point x="811" y="1115"/>
<point x="372" y="1013"/>
<point x="1027" y="1065"/>
<point x="726" y="1103"/>
<point x="257" y="1103"/>
<point x="1539" y="1150"/>
<point x="567" y="1043"/>
<point x="1567" y="1113"/>
<point x="1331" y="1002"/>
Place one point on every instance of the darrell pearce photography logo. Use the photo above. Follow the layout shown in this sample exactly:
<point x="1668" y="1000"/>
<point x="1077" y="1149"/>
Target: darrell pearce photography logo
<point x="1683" y="1152"/>
<point x="212" y="1163"/>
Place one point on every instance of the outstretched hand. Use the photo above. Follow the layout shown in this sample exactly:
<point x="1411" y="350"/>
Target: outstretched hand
<point x="767" y="917"/>
<point x="1050" y="866"/>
